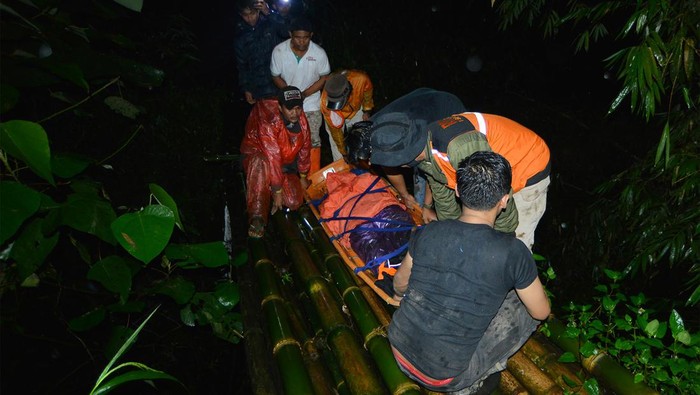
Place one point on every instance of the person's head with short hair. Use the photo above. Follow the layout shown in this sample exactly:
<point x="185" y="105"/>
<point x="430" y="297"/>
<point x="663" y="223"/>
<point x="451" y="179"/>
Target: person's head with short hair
<point x="290" y="102"/>
<point x="246" y="9"/>
<point x="483" y="179"/>
<point x="301" y="31"/>
<point x="338" y="89"/>
<point x="357" y="144"/>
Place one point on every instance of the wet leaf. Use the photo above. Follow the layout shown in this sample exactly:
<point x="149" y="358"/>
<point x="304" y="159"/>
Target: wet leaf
<point x="228" y="294"/>
<point x="89" y="213"/>
<point x="69" y="165"/>
<point x="27" y="141"/>
<point x="145" y="234"/>
<point x="31" y="248"/>
<point x="165" y="199"/>
<point x="178" y="288"/>
<point x="19" y="202"/>
<point x="88" y="320"/>
<point x="113" y="273"/>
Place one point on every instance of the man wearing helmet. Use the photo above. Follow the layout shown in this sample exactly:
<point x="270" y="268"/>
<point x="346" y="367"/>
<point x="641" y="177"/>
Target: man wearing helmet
<point x="347" y="98"/>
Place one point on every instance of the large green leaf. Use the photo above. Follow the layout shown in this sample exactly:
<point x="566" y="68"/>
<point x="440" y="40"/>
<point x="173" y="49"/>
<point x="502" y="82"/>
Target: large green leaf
<point x="227" y="294"/>
<point x="17" y="203"/>
<point x="134" y="5"/>
<point x="114" y="274"/>
<point x="145" y="234"/>
<point x="31" y="248"/>
<point x="27" y="141"/>
<point x="66" y="70"/>
<point x="90" y="214"/>
<point x="165" y="199"/>
<point x="68" y="165"/>
<point x="178" y="288"/>
<point x="212" y="254"/>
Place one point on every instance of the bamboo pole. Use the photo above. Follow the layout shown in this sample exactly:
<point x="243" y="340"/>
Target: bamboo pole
<point x="286" y="349"/>
<point x="600" y="364"/>
<point x="546" y="357"/>
<point x="357" y="369"/>
<point x="531" y="377"/>
<point x="509" y="385"/>
<point x="370" y="328"/>
<point x="260" y="367"/>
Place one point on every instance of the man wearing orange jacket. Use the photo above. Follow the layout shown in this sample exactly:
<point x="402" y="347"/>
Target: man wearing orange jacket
<point x="438" y="148"/>
<point x="275" y="154"/>
<point x="347" y="98"/>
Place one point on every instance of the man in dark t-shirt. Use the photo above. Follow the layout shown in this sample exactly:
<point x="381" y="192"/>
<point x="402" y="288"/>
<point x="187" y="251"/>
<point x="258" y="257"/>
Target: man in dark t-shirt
<point x="469" y="295"/>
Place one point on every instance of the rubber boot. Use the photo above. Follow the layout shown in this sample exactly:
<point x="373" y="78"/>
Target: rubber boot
<point x="315" y="160"/>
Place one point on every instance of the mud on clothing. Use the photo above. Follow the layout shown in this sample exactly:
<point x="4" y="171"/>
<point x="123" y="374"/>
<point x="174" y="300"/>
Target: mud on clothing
<point x="460" y="278"/>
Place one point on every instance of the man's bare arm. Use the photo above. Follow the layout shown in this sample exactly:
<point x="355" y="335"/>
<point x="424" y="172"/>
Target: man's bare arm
<point x="535" y="300"/>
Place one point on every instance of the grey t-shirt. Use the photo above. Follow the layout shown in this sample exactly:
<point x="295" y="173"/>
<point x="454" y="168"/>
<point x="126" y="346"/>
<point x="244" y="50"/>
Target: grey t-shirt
<point x="460" y="276"/>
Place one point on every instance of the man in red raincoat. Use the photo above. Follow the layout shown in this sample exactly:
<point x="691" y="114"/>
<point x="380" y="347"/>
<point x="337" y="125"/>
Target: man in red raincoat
<point x="275" y="152"/>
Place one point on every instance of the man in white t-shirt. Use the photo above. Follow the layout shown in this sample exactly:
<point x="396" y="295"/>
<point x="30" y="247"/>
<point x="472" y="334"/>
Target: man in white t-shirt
<point x="302" y="63"/>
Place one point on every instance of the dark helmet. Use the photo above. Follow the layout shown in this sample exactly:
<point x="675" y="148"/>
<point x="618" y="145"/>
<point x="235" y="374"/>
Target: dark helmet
<point x="357" y="142"/>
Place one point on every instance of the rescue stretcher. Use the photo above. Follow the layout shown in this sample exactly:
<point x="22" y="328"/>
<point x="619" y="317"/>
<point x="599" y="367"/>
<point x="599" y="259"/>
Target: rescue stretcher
<point x="316" y="192"/>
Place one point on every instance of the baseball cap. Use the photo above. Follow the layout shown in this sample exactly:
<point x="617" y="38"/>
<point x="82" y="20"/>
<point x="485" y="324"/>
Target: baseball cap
<point x="290" y="97"/>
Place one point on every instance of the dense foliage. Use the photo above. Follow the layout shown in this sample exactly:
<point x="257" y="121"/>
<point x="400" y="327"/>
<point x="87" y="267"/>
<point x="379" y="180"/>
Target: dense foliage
<point x="646" y="219"/>
<point x="74" y="92"/>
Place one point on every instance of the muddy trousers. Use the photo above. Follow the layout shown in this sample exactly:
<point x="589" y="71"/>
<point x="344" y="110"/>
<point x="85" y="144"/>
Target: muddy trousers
<point x="531" y="203"/>
<point x="259" y="193"/>
<point x="508" y="331"/>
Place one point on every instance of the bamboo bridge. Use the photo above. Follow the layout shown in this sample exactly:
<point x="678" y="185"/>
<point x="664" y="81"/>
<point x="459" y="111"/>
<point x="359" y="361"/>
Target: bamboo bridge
<point x="312" y="327"/>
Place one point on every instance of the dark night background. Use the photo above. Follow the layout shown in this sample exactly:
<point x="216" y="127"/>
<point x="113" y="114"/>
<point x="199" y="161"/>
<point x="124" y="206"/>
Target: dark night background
<point x="538" y="82"/>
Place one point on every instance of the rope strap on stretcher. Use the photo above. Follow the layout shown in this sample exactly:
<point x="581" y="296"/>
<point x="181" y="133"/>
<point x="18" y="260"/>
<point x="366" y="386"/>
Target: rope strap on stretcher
<point x="369" y="190"/>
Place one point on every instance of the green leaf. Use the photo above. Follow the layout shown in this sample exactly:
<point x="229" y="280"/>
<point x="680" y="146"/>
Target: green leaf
<point x="228" y="294"/>
<point x="27" y="141"/>
<point x="212" y="254"/>
<point x="31" y="248"/>
<point x="591" y="386"/>
<point x="609" y="304"/>
<point x="166" y="200"/>
<point x="567" y="357"/>
<point x="178" y="288"/>
<point x="675" y="321"/>
<point x="187" y="315"/>
<point x="68" y="165"/>
<point x="588" y="349"/>
<point x="113" y="273"/>
<point x="89" y="213"/>
<point x="240" y="259"/>
<point x="623" y="344"/>
<point x="136" y="375"/>
<point x="613" y="275"/>
<point x="694" y="297"/>
<point x="638" y="378"/>
<point x="664" y="146"/>
<point x="88" y="320"/>
<point x="652" y="327"/>
<point x="683" y="337"/>
<point x="122" y="106"/>
<point x="9" y="96"/>
<point x="66" y="70"/>
<point x="134" y="5"/>
<point x="18" y="202"/>
<point x="145" y="234"/>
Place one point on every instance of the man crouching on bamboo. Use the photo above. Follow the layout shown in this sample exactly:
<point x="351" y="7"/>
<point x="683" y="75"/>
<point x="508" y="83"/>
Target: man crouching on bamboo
<point x="275" y="157"/>
<point x="469" y="295"/>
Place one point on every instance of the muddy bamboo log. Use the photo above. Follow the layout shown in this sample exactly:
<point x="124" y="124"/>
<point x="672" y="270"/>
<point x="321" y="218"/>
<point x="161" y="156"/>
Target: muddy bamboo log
<point x="285" y="348"/>
<point x="509" y="385"/>
<point x="536" y="381"/>
<point x="320" y="376"/>
<point x="321" y="345"/>
<point x="546" y="357"/>
<point x="371" y="329"/>
<point x="260" y="367"/>
<point x="358" y="371"/>
<point x="600" y="364"/>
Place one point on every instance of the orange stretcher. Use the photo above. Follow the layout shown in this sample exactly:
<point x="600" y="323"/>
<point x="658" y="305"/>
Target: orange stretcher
<point x="317" y="189"/>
